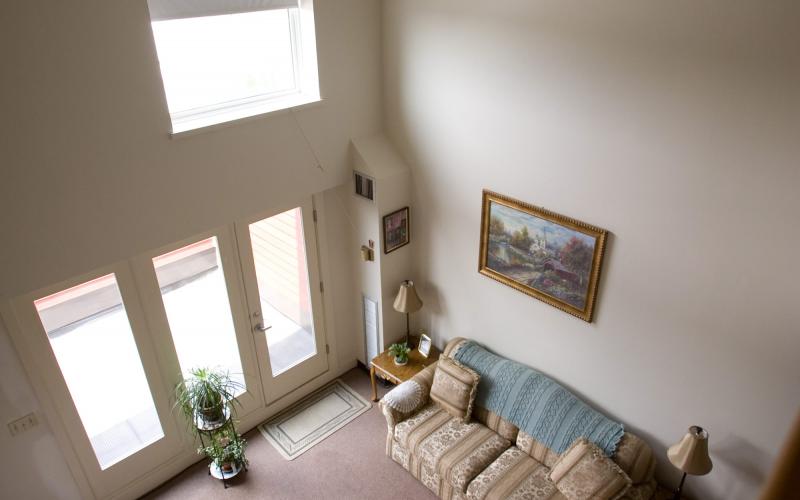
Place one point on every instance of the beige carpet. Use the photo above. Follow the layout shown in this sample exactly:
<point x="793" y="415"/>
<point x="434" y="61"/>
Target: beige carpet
<point x="350" y="464"/>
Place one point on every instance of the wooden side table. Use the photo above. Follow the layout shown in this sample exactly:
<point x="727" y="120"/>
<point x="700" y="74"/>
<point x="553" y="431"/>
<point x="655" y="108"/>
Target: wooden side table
<point x="384" y="367"/>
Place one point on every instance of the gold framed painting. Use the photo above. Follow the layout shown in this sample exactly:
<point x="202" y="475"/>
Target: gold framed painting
<point x="549" y="256"/>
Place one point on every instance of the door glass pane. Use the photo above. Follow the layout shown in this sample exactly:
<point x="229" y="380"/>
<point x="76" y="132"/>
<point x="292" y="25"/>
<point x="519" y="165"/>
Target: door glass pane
<point x="198" y="309"/>
<point x="91" y="338"/>
<point x="279" y="251"/>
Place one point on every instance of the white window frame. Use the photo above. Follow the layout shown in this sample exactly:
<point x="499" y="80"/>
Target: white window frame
<point x="306" y="91"/>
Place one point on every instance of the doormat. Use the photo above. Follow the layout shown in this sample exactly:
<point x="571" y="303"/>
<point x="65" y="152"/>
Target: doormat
<point x="308" y="422"/>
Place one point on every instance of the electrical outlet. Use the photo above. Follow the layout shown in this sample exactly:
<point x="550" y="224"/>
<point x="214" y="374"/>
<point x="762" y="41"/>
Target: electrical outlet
<point x="23" y="424"/>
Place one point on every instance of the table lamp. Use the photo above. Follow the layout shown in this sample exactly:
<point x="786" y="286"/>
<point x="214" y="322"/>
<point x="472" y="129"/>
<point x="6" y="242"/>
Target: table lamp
<point x="690" y="455"/>
<point x="407" y="302"/>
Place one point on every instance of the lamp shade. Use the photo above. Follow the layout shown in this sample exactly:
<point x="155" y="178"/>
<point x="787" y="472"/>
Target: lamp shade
<point x="407" y="300"/>
<point x="691" y="454"/>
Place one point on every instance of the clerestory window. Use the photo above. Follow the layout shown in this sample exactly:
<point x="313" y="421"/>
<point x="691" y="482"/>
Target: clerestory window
<point x="223" y="60"/>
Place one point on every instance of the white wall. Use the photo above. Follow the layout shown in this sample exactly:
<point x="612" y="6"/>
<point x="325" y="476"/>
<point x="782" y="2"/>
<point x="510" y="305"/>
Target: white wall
<point x="32" y="464"/>
<point x="380" y="278"/>
<point x="376" y="156"/>
<point x="675" y="126"/>
<point x="89" y="175"/>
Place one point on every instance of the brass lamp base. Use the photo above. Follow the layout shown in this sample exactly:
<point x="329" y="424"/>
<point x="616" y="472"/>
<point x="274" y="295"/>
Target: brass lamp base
<point x="409" y="343"/>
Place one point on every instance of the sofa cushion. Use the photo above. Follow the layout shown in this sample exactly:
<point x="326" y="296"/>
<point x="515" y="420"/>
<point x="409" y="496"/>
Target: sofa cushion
<point x="536" y="449"/>
<point x="514" y="475"/>
<point x="411" y="431"/>
<point x="584" y="472"/>
<point x="496" y="423"/>
<point x="455" y="387"/>
<point x="633" y="455"/>
<point x="458" y="452"/>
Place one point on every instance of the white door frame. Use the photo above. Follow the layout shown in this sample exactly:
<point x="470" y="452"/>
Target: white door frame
<point x="18" y="313"/>
<point x="144" y="273"/>
<point x="275" y="387"/>
<point x="30" y="338"/>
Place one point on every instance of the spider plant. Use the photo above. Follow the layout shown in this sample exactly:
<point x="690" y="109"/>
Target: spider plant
<point x="205" y="393"/>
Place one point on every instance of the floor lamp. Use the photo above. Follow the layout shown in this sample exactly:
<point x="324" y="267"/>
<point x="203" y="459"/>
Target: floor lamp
<point x="690" y="455"/>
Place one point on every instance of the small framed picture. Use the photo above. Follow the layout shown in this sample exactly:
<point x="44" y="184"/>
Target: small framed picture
<point x="424" y="345"/>
<point x="396" y="230"/>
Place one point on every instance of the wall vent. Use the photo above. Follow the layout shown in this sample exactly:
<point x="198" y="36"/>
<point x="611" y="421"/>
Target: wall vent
<point x="365" y="186"/>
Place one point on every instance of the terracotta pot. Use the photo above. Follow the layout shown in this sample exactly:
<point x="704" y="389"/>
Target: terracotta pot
<point x="227" y="467"/>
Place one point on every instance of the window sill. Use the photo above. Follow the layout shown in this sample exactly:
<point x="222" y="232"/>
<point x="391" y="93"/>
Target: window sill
<point x="213" y="120"/>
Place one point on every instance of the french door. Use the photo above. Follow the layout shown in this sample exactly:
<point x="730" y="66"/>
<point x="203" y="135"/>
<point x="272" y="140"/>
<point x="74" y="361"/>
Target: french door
<point x="107" y="349"/>
<point x="199" y="316"/>
<point x="283" y="290"/>
<point x="87" y="342"/>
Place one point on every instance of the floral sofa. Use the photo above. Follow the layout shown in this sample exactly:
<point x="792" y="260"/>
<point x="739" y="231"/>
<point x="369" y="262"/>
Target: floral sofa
<point x="487" y="457"/>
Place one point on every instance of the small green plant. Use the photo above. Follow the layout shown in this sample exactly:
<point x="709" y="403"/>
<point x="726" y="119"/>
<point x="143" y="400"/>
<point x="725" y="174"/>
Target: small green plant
<point x="206" y="392"/>
<point x="400" y="352"/>
<point x="227" y="452"/>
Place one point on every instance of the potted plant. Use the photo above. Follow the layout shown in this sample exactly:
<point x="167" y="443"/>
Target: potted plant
<point x="400" y="353"/>
<point x="205" y="394"/>
<point x="227" y="453"/>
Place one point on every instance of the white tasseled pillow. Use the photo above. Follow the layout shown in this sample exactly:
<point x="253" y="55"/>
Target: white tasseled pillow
<point x="405" y="397"/>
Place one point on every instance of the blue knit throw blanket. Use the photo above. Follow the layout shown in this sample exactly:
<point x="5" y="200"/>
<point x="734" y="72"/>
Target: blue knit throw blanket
<point x="535" y="403"/>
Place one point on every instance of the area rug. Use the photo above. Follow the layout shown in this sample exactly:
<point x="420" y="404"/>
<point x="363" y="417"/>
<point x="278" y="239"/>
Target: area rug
<point x="308" y="422"/>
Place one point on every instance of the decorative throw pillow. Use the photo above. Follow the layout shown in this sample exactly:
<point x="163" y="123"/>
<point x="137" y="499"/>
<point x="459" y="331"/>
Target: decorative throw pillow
<point x="405" y="397"/>
<point x="584" y="472"/>
<point x="454" y="388"/>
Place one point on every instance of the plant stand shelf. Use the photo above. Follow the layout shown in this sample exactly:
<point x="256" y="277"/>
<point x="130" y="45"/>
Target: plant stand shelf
<point x="208" y="432"/>
<point x="220" y="474"/>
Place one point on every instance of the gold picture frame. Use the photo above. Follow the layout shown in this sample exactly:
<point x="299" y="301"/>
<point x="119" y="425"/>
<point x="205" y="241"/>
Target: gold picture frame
<point x="552" y="257"/>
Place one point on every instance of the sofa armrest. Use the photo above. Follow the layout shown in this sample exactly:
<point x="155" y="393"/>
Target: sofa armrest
<point x="392" y="416"/>
<point x="408" y="397"/>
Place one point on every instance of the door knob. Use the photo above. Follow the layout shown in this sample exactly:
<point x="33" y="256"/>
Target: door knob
<point x="261" y="328"/>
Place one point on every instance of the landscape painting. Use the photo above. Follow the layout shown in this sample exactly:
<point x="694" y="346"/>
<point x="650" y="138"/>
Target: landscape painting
<point x="546" y="255"/>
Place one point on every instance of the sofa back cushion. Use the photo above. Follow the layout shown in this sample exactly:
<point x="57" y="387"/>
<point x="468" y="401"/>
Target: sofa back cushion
<point x="633" y="455"/>
<point x="584" y="472"/>
<point x="454" y="388"/>
<point x="488" y="418"/>
<point x="636" y="458"/>
<point x="495" y="422"/>
<point x="536" y="449"/>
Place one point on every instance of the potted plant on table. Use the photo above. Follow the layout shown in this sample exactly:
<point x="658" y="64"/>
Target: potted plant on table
<point x="205" y="394"/>
<point x="400" y="353"/>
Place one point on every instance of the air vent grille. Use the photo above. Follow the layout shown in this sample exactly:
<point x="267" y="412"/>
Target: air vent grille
<point x="365" y="186"/>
